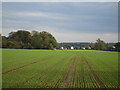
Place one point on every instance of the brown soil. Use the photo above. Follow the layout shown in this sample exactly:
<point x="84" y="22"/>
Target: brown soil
<point x="14" y="69"/>
<point x="17" y="85"/>
<point x="82" y="74"/>
<point x="54" y="86"/>
<point x="101" y="84"/>
<point x="69" y="73"/>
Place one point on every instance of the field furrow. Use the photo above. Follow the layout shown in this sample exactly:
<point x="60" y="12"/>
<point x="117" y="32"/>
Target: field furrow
<point x="59" y="69"/>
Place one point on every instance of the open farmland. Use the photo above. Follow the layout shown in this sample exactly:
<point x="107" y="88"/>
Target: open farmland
<point x="59" y="69"/>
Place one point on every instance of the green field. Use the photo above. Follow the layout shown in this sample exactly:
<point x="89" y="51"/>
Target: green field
<point x="59" y="69"/>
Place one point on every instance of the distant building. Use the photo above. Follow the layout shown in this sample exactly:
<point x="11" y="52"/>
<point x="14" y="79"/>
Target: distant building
<point x="72" y="47"/>
<point x="83" y="48"/>
<point x="113" y="47"/>
<point x="62" y="48"/>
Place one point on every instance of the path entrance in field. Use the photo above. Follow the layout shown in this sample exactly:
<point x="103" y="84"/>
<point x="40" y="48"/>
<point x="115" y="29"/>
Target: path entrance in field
<point x="14" y="69"/>
<point x="99" y="81"/>
<point x="71" y="69"/>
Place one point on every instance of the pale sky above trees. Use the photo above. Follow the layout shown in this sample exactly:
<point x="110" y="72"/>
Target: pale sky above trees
<point x="68" y="22"/>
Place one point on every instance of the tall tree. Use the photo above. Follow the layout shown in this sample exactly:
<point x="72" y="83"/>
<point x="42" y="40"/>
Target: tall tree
<point x="0" y="41"/>
<point x="25" y="39"/>
<point x="22" y="36"/>
<point x="100" y="45"/>
<point x="43" y="40"/>
<point x="4" y="42"/>
<point x="36" y="40"/>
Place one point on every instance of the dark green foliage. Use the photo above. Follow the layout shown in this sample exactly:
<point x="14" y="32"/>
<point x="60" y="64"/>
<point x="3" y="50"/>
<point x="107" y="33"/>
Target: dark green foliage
<point x="44" y="40"/>
<point x="100" y="45"/>
<point x="13" y="44"/>
<point x="75" y="44"/>
<point x="25" y="39"/>
<point x="0" y="41"/>
<point x="21" y="36"/>
<point x="4" y="41"/>
<point x="117" y="45"/>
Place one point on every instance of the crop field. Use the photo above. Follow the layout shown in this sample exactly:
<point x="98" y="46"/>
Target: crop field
<point x="59" y="69"/>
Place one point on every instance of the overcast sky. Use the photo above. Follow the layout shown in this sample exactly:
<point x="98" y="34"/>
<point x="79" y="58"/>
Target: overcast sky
<point x="68" y="22"/>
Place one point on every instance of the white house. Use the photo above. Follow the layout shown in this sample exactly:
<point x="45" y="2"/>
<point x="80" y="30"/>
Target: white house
<point x="72" y="47"/>
<point x="83" y="48"/>
<point x="113" y="47"/>
<point x="62" y="48"/>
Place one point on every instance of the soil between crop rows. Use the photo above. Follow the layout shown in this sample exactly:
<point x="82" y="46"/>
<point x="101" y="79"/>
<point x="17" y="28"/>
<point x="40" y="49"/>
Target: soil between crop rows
<point x="101" y="84"/>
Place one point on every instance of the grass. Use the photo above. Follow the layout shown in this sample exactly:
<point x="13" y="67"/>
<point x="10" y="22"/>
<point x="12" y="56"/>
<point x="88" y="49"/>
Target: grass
<point x="60" y="69"/>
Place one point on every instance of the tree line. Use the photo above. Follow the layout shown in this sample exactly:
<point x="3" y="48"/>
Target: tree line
<point x="23" y="39"/>
<point x="101" y="45"/>
<point x="98" y="45"/>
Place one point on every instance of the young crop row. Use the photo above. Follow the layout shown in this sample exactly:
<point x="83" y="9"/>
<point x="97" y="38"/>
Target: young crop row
<point x="61" y="69"/>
